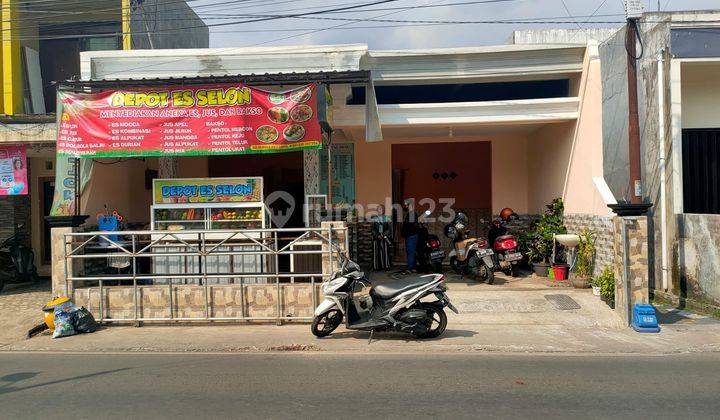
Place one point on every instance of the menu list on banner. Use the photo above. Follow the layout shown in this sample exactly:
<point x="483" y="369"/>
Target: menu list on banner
<point x="218" y="119"/>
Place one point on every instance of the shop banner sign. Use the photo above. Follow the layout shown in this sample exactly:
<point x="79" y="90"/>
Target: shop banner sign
<point x="221" y="119"/>
<point x="13" y="170"/>
<point x="207" y="190"/>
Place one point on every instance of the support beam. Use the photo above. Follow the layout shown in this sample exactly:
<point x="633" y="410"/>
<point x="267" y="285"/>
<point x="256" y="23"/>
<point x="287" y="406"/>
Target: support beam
<point x="127" y="36"/>
<point x="12" y="83"/>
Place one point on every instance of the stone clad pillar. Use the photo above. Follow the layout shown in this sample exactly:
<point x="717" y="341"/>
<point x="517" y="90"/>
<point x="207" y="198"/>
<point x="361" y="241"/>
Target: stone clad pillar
<point x="60" y="285"/>
<point x="630" y="244"/>
<point x="168" y="167"/>
<point x="338" y="239"/>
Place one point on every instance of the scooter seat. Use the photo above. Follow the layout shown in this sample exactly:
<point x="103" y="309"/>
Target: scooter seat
<point x="393" y="288"/>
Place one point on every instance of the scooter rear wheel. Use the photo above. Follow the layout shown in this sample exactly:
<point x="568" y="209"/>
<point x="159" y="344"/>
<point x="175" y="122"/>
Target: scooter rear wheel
<point x="326" y="323"/>
<point x="438" y="323"/>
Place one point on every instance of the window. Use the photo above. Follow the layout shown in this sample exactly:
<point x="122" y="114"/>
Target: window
<point x="464" y="92"/>
<point x="701" y="170"/>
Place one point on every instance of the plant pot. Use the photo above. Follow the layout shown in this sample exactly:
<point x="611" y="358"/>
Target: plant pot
<point x="596" y="290"/>
<point x="581" y="283"/>
<point x="541" y="269"/>
<point x="561" y="271"/>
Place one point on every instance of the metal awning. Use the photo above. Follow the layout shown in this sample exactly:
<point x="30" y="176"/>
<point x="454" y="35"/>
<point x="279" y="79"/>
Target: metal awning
<point x="333" y="77"/>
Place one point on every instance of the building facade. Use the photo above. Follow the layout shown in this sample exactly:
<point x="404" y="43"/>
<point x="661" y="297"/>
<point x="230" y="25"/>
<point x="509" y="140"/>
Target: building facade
<point x="679" y="94"/>
<point x="41" y="45"/>
<point x="489" y="127"/>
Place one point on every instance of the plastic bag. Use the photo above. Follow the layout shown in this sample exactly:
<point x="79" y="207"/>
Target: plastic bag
<point x="64" y="320"/>
<point x="85" y="321"/>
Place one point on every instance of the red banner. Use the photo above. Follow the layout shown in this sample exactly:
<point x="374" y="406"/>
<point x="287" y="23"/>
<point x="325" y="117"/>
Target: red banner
<point x="221" y="119"/>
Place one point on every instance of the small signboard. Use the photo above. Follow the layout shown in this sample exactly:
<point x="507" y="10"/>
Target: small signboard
<point x="207" y="190"/>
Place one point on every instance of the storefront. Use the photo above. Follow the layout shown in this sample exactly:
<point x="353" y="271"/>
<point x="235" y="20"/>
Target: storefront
<point x="235" y="158"/>
<point x="511" y="126"/>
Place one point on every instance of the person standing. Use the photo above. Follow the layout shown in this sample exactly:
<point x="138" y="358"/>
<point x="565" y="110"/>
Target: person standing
<point x="382" y="240"/>
<point x="410" y="230"/>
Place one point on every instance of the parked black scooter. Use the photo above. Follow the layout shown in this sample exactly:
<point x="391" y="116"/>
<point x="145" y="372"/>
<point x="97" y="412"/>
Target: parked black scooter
<point x="429" y="253"/>
<point x="17" y="261"/>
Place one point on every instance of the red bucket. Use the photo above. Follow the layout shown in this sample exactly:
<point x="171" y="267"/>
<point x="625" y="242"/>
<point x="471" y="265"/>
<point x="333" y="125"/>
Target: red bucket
<point x="560" y="271"/>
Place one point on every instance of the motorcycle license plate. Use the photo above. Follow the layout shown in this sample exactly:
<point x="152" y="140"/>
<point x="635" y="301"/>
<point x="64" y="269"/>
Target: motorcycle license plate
<point x="484" y="252"/>
<point x="437" y="254"/>
<point x="513" y="257"/>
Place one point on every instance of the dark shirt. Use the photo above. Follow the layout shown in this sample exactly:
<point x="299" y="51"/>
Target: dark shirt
<point x="410" y="225"/>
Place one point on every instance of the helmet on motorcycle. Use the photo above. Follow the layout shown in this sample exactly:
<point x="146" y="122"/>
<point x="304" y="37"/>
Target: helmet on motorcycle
<point x="507" y="213"/>
<point x="451" y="232"/>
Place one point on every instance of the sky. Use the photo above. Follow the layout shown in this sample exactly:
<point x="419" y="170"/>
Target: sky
<point x="408" y="35"/>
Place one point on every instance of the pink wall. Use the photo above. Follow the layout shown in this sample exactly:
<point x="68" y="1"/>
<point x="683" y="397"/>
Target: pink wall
<point x="373" y="168"/>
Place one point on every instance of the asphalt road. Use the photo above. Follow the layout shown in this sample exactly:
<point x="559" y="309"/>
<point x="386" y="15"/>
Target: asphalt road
<point x="323" y="385"/>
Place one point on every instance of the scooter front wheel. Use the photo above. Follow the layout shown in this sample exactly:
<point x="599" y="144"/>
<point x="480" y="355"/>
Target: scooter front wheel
<point x="326" y="323"/>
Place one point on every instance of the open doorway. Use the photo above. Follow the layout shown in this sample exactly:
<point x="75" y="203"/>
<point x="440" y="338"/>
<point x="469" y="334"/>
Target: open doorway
<point x="280" y="172"/>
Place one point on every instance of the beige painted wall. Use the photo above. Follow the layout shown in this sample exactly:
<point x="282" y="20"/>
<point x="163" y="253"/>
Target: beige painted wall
<point x="38" y="171"/>
<point x="549" y="149"/>
<point x="586" y="155"/>
<point x="700" y="95"/>
<point x="122" y="186"/>
<point x="566" y="157"/>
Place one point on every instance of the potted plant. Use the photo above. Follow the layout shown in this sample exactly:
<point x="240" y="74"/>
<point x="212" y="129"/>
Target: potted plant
<point x="595" y="287"/>
<point x="606" y="281"/>
<point x="585" y="262"/>
<point x="537" y="242"/>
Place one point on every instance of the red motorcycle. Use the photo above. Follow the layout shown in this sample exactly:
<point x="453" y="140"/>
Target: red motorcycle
<point x="505" y="246"/>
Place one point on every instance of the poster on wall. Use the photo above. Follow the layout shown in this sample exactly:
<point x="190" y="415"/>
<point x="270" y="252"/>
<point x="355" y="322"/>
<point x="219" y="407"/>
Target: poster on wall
<point x="220" y="119"/>
<point x="13" y="170"/>
<point x="343" y="174"/>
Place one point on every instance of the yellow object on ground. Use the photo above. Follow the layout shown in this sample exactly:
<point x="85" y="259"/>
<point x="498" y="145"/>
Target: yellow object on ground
<point x="49" y="310"/>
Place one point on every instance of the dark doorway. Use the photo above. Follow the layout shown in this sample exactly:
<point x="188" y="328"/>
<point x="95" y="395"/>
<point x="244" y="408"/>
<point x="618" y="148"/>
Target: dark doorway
<point x="47" y="188"/>
<point x="280" y="172"/>
<point x="701" y="171"/>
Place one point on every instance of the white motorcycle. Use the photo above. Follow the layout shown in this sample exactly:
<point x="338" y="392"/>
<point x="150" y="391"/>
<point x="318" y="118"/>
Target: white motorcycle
<point x="393" y="305"/>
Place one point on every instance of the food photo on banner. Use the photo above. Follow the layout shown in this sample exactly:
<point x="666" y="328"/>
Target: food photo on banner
<point x="13" y="170"/>
<point x="220" y="119"/>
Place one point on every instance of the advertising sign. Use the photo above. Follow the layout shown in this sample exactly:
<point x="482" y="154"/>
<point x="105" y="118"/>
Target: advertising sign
<point x="207" y="190"/>
<point x="221" y="119"/>
<point x="13" y="170"/>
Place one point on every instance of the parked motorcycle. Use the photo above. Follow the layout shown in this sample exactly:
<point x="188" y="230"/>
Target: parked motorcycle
<point x="17" y="261"/>
<point x="505" y="246"/>
<point x="429" y="253"/>
<point x="393" y="305"/>
<point x="470" y="256"/>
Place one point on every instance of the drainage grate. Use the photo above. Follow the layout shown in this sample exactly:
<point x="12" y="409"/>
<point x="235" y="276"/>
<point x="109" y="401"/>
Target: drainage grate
<point x="562" y="302"/>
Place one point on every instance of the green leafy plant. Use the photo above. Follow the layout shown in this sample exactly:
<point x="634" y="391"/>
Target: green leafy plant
<point x="537" y="242"/>
<point x="585" y="263"/>
<point x="606" y="282"/>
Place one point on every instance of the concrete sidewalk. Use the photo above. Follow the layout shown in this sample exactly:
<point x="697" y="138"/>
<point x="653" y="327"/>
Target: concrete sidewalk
<point x="510" y="317"/>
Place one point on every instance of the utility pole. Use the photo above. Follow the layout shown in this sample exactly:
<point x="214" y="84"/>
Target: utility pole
<point x="633" y="11"/>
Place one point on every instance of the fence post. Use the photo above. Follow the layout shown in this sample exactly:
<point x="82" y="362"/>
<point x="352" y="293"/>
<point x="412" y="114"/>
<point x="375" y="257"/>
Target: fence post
<point x="62" y="267"/>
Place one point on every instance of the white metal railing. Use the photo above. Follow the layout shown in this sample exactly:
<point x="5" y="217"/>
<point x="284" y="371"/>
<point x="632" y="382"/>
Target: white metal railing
<point x="138" y="253"/>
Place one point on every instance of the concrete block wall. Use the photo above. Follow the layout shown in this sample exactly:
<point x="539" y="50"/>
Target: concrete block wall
<point x="602" y="226"/>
